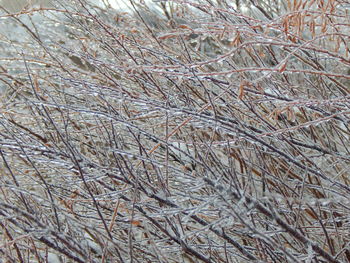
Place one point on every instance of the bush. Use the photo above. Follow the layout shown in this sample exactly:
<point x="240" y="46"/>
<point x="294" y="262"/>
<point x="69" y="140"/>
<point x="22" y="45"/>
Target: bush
<point x="177" y="131"/>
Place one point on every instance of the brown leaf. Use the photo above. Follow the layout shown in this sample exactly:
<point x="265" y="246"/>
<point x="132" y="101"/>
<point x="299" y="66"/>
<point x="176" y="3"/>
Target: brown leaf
<point x="290" y="115"/>
<point x="185" y="27"/>
<point x="241" y="89"/>
<point x="285" y="25"/>
<point x="135" y="222"/>
<point x="312" y="27"/>
<point x="167" y="36"/>
<point x="324" y="25"/>
<point x="337" y="44"/>
<point x="36" y="84"/>
<point x="282" y="68"/>
<point x="235" y="42"/>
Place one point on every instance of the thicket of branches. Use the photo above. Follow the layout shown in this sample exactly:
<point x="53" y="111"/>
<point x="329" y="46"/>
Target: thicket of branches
<point x="177" y="131"/>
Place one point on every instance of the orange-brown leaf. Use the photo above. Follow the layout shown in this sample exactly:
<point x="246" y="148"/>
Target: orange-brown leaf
<point x="236" y="40"/>
<point x="324" y="25"/>
<point x="312" y="28"/>
<point x="241" y="90"/>
<point x="282" y="68"/>
<point x="167" y="36"/>
<point x="36" y="84"/>
<point x="135" y="222"/>
<point x="185" y="27"/>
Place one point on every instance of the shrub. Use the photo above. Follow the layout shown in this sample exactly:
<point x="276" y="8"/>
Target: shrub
<point x="177" y="131"/>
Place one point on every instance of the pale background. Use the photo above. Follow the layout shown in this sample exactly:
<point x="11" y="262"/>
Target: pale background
<point x="17" y="5"/>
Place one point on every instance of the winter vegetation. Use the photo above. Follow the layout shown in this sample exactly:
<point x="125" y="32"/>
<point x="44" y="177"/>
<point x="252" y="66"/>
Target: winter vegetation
<point x="175" y="131"/>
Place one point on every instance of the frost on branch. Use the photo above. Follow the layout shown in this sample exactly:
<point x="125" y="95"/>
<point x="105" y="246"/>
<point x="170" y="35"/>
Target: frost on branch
<point x="175" y="131"/>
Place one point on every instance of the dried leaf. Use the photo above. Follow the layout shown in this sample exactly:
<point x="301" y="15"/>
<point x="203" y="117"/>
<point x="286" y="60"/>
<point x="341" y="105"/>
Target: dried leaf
<point x="236" y="40"/>
<point x="295" y="3"/>
<point x="293" y="39"/>
<point x="290" y="115"/>
<point x="311" y="213"/>
<point x="324" y="25"/>
<point x="135" y="222"/>
<point x="36" y="84"/>
<point x="337" y="44"/>
<point x="302" y="23"/>
<point x="241" y="90"/>
<point x="167" y="36"/>
<point x="185" y="27"/>
<point x="285" y="25"/>
<point x="312" y="27"/>
<point x="275" y="114"/>
<point x="282" y="68"/>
